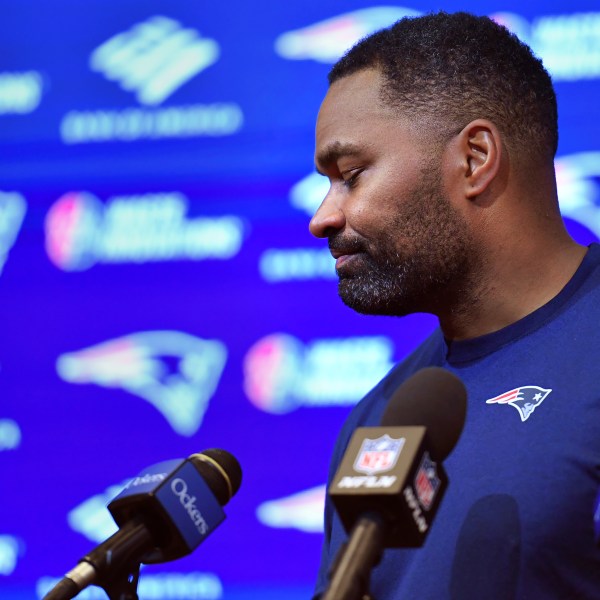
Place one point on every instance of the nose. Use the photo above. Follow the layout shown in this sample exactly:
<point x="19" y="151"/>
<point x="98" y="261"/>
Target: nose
<point x="328" y="219"/>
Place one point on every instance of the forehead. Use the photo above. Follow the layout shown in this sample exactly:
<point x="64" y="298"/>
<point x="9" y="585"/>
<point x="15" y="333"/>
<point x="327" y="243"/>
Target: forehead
<point x="353" y="116"/>
<point x="359" y="91"/>
<point x="354" y="96"/>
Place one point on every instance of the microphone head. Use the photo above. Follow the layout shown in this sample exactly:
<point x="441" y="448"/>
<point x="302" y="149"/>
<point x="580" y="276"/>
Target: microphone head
<point x="221" y="471"/>
<point x="432" y="398"/>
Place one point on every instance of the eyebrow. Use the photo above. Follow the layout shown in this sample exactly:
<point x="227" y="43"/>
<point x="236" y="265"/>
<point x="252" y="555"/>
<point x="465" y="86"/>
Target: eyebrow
<point x="332" y="153"/>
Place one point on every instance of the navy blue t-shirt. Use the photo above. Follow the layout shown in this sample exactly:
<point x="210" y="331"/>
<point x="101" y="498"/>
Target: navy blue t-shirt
<point x="517" y="518"/>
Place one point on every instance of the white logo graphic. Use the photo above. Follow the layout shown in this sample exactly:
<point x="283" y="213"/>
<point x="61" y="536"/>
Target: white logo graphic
<point x="161" y="586"/>
<point x="81" y="231"/>
<point x="12" y="212"/>
<point x="327" y="40"/>
<point x="281" y="373"/>
<point x="135" y="363"/>
<point x="309" y="192"/>
<point x="568" y="44"/>
<point x="303" y="511"/>
<point x="154" y="58"/>
<point x="578" y="182"/>
<point x="296" y="264"/>
<point x="91" y="519"/>
<point x="9" y="553"/>
<point x="20" y="92"/>
<point x="10" y="435"/>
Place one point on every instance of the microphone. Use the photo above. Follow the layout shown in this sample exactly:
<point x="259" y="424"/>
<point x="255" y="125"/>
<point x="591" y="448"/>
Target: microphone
<point x="163" y="514"/>
<point x="390" y="481"/>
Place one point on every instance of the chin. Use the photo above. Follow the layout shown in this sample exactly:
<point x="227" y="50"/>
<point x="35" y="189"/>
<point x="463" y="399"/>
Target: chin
<point x="372" y="301"/>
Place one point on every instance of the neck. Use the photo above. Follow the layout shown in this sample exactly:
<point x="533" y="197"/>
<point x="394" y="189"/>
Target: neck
<point x="518" y="280"/>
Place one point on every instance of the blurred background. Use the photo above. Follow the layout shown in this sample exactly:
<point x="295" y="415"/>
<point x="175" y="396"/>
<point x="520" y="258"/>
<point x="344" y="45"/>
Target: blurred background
<point x="159" y="291"/>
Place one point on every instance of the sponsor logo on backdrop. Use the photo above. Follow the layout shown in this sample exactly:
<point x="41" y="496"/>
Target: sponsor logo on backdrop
<point x="175" y="372"/>
<point x="568" y="44"/>
<point x="82" y="231"/>
<point x="10" y="435"/>
<point x="303" y="511"/>
<point x="10" y="549"/>
<point x="162" y="586"/>
<point x="20" y="92"/>
<point x="12" y="212"/>
<point x="578" y="181"/>
<point x="281" y="373"/>
<point x="153" y="60"/>
<point x="296" y="264"/>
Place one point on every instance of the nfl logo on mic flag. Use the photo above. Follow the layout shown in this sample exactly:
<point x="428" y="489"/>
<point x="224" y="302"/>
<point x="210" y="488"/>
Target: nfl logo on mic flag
<point x="390" y="470"/>
<point x="427" y="482"/>
<point x="378" y="455"/>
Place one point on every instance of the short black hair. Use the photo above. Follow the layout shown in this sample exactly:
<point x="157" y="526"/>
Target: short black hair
<point x="457" y="67"/>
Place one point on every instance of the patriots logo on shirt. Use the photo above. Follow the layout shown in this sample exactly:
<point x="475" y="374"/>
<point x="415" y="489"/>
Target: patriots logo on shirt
<point x="525" y="399"/>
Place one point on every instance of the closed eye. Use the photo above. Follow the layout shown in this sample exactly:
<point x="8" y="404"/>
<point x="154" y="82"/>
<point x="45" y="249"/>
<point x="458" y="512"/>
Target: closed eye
<point x="351" y="177"/>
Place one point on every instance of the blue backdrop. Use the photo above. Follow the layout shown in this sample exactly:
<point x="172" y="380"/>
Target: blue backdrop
<point x="159" y="291"/>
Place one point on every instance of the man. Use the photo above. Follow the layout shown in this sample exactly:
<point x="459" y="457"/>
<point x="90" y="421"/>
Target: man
<point x="438" y="137"/>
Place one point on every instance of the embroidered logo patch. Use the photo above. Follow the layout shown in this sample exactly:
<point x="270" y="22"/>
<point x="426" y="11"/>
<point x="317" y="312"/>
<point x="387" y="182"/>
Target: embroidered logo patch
<point x="525" y="399"/>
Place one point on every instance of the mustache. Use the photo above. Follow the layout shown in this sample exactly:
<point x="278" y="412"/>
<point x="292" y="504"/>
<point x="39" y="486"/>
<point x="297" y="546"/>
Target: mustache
<point x="345" y="244"/>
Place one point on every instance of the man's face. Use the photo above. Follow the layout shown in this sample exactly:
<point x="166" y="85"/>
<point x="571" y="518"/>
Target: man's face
<point x="399" y="243"/>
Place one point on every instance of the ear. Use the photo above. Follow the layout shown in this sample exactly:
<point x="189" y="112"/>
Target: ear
<point x="480" y="149"/>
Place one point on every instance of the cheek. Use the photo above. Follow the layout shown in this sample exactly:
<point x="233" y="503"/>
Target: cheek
<point x="384" y="199"/>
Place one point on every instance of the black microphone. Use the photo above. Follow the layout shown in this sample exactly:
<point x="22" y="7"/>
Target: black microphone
<point x="164" y="513"/>
<point x="390" y="481"/>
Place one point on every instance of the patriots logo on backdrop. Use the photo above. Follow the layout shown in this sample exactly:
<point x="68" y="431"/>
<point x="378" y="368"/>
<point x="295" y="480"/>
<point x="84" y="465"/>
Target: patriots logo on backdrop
<point x="302" y="510"/>
<point x="378" y="455"/>
<point x="326" y="41"/>
<point x="525" y="399"/>
<point x="175" y="372"/>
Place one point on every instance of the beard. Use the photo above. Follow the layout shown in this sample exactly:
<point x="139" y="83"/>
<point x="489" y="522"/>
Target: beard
<point x="421" y="261"/>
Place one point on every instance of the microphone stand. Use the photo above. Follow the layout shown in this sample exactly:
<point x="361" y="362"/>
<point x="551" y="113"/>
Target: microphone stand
<point x="123" y="585"/>
<point x="114" y="566"/>
<point x="350" y="574"/>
